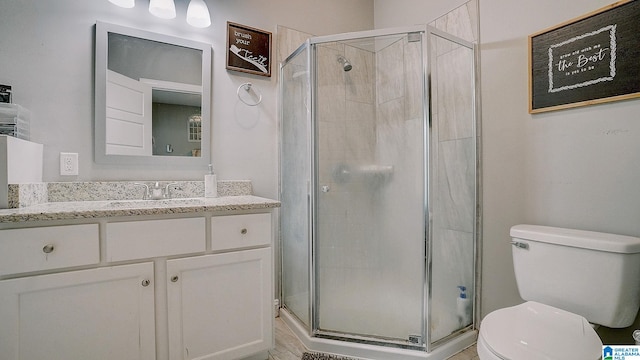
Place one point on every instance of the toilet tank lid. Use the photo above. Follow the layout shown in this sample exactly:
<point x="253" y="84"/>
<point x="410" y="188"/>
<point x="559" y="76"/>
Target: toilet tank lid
<point x="578" y="238"/>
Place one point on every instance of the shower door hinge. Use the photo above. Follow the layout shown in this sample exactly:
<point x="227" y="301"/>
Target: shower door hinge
<point x="415" y="339"/>
<point x="413" y="37"/>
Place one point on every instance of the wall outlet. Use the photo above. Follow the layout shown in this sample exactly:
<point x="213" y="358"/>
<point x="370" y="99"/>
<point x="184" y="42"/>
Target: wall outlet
<point x="68" y="163"/>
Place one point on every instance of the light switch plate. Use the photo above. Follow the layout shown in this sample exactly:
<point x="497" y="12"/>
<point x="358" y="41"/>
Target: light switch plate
<point x="68" y="163"/>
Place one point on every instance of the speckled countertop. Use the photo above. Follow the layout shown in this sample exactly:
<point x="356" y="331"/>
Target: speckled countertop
<point x="112" y="208"/>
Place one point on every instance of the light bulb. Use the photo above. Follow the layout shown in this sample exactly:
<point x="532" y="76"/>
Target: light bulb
<point x="164" y="9"/>
<point x="198" y="14"/>
<point x="124" y="3"/>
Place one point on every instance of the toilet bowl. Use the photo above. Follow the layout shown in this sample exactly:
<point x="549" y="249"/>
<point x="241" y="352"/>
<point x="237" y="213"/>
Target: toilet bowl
<point x="535" y="331"/>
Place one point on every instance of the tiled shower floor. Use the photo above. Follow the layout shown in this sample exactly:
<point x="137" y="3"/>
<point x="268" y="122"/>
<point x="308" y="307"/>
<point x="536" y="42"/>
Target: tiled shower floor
<point x="288" y="347"/>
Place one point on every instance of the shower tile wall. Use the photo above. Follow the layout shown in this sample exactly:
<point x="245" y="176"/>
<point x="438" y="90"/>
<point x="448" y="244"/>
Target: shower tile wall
<point x="288" y="40"/>
<point x="461" y="21"/>
<point x="453" y="150"/>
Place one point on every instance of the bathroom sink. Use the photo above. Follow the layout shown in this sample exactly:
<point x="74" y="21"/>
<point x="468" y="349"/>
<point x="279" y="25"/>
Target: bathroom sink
<point x="156" y="203"/>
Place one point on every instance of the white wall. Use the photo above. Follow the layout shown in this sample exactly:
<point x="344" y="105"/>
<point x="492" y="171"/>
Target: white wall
<point x="47" y="55"/>
<point x="398" y="13"/>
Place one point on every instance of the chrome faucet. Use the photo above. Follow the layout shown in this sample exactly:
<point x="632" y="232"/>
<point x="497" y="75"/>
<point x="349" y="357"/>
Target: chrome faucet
<point x="145" y="195"/>
<point x="167" y="189"/>
<point x="158" y="193"/>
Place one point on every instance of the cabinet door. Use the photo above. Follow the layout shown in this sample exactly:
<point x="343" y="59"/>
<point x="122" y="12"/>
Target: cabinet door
<point x="220" y="305"/>
<point x="105" y="313"/>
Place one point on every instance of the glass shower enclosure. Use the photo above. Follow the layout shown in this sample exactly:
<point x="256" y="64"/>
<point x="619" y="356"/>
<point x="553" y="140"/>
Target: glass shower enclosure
<point x="378" y="184"/>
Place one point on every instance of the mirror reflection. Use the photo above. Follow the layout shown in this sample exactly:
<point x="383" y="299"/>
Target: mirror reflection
<point x="154" y="86"/>
<point x="138" y="65"/>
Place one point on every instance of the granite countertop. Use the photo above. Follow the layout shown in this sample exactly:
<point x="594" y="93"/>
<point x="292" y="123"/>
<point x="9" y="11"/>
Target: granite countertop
<point x="111" y="208"/>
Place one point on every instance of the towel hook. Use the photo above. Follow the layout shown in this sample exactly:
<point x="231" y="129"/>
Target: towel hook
<point x="247" y="87"/>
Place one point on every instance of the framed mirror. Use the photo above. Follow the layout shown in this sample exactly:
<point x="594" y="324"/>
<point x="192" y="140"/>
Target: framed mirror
<point x="152" y="98"/>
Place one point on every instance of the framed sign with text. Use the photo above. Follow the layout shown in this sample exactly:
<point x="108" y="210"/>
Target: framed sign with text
<point x="588" y="60"/>
<point x="248" y="49"/>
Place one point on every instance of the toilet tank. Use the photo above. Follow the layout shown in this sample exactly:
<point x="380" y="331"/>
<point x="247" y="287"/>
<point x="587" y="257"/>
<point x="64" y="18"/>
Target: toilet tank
<point x="596" y="275"/>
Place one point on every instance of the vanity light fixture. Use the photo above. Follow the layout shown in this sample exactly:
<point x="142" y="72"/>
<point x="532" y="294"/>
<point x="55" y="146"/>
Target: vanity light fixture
<point x="164" y="9"/>
<point x="124" y="3"/>
<point x="198" y="14"/>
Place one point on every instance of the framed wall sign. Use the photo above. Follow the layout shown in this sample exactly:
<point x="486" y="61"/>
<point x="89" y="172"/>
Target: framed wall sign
<point x="5" y="94"/>
<point x="588" y="60"/>
<point x="248" y="49"/>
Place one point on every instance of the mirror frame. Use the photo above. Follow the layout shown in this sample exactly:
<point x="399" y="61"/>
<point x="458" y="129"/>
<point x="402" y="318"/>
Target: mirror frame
<point x="101" y="57"/>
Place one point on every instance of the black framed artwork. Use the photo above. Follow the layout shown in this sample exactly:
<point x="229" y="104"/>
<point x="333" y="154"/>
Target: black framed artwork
<point x="588" y="60"/>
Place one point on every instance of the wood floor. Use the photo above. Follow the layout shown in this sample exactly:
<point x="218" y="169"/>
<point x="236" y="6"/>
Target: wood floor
<point x="288" y="347"/>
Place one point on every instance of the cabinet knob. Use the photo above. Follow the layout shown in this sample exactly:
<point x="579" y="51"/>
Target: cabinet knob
<point x="146" y="282"/>
<point x="174" y="278"/>
<point x="47" y="249"/>
<point x="243" y="231"/>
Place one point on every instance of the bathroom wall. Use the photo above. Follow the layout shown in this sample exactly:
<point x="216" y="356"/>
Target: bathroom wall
<point x="48" y="56"/>
<point x="391" y="13"/>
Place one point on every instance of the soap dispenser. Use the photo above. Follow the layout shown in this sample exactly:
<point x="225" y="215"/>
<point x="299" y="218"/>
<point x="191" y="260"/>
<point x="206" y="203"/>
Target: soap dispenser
<point x="210" y="184"/>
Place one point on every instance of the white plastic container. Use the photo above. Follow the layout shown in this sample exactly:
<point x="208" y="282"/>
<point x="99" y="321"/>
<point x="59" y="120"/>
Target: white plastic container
<point x="463" y="307"/>
<point x="21" y="163"/>
<point x="210" y="184"/>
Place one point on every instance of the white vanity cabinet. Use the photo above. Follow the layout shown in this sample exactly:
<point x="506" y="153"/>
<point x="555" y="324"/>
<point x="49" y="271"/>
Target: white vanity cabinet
<point x="219" y="305"/>
<point x="71" y="314"/>
<point x="139" y="288"/>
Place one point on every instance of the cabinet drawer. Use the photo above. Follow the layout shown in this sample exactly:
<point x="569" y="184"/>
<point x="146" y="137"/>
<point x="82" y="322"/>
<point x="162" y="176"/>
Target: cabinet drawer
<point x="240" y="231"/>
<point x="51" y="247"/>
<point x="153" y="238"/>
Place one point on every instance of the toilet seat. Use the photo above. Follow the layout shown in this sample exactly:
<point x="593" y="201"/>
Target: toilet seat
<point x="533" y="331"/>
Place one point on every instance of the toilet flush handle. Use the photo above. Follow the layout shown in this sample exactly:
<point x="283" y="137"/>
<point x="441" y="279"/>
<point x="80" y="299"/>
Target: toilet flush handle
<point x="520" y="245"/>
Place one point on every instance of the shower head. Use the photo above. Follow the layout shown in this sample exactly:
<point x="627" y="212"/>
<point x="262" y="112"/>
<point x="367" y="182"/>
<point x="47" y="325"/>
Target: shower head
<point x="346" y="65"/>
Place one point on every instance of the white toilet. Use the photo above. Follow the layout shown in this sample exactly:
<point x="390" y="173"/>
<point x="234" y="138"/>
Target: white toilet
<point x="570" y="278"/>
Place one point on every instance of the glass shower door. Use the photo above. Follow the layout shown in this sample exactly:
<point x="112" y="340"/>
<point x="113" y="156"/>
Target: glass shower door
<point x="452" y="183"/>
<point x="369" y="238"/>
<point x="295" y="178"/>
